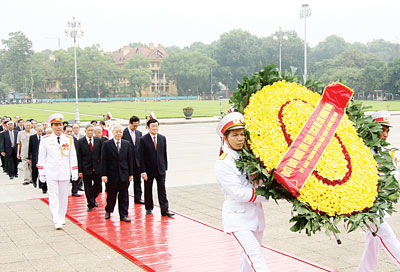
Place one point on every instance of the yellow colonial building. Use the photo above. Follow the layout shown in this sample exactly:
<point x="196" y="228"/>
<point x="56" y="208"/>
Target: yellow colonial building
<point x="159" y="85"/>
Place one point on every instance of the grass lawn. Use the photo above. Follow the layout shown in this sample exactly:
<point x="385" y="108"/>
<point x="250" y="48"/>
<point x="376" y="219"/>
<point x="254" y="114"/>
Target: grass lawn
<point x="93" y="111"/>
<point x="163" y="109"/>
<point x="383" y="105"/>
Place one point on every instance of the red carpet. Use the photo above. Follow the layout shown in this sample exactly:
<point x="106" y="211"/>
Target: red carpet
<point x="157" y="243"/>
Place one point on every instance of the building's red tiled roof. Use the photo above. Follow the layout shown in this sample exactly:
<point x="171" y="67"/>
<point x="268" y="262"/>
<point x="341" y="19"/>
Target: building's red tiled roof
<point x="126" y="52"/>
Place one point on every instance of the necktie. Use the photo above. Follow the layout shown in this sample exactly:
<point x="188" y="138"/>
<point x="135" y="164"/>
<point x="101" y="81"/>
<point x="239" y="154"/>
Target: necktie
<point x="155" y="142"/>
<point x="118" y="146"/>
<point x="133" y="137"/>
<point x="90" y="144"/>
<point x="58" y="139"/>
<point x="39" y="138"/>
<point x="12" y="138"/>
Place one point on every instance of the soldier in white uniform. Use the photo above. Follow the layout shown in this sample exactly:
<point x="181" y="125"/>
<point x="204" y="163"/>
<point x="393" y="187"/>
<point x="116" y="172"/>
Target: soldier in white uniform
<point x="242" y="212"/>
<point x="56" y="164"/>
<point x="385" y="237"/>
<point x="109" y="125"/>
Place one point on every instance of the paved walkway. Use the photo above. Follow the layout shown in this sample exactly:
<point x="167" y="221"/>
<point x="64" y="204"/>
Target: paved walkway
<point x="28" y="241"/>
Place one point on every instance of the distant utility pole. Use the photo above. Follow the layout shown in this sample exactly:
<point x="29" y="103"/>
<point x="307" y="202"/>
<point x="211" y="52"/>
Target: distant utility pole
<point x="305" y="12"/>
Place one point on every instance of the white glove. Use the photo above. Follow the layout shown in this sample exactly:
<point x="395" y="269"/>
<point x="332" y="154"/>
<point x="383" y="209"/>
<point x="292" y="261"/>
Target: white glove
<point x="42" y="178"/>
<point x="396" y="175"/>
<point x="74" y="178"/>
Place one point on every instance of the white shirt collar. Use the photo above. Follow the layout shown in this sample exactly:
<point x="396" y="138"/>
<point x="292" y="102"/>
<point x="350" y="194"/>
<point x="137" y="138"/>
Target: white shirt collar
<point x="115" y="141"/>
<point x="230" y="152"/>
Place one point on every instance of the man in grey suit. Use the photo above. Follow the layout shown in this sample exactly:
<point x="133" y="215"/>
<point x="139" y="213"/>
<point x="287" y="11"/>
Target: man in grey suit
<point x="132" y="135"/>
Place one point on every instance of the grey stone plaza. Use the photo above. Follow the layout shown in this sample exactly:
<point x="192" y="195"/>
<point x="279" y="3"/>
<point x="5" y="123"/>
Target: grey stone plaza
<point x="29" y="242"/>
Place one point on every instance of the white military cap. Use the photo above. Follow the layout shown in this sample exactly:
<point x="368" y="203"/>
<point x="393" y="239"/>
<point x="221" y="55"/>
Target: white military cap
<point x="152" y="116"/>
<point x="231" y="121"/>
<point x="382" y="117"/>
<point x="56" y="118"/>
<point x="108" y="115"/>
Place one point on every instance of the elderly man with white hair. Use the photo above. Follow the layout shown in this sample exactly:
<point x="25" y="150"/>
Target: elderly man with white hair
<point x="117" y="168"/>
<point x="22" y="152"/>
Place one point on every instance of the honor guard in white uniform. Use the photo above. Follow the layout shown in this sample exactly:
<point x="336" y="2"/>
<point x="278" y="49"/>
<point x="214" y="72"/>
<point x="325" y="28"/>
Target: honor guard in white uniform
<point x="109" y="125"/>
<point x="242" y="212"/>
<point x="57" y="163"/>
<point x="385" y="237"/>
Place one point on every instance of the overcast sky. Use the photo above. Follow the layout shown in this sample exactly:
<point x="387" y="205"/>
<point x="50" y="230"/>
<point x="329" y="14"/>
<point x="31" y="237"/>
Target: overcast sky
<point x="114" y="23"/>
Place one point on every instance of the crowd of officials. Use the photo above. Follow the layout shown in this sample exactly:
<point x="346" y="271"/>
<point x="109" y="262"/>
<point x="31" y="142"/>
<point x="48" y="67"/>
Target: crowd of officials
<point x="52" y="155"/>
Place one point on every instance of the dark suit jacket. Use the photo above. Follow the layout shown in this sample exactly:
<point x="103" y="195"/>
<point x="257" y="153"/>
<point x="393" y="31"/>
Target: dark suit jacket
<point x="19" y="129"/>
<point x="153" y="161"/>
<point x="127" y="136"/>
<point x="7" y="142"/>
<point x="33" y="151"/>
<point x="87" y="159"/>
<point x="117" y="166"/>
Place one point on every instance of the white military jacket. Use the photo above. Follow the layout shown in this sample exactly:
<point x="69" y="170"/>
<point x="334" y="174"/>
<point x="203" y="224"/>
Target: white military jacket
<point x="242" y="208"/>
<point x="57" y="161"/>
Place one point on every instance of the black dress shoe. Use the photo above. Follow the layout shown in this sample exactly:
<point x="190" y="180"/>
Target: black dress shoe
<point x="139" y="202"/>
<point x="168" y="214"/>
<point x="125" y="219"/>
<point x="16" y="176"/>
<point x="149" y="211"/>
<point x="89" y="209"/>
<point x="34" y="185"/>
<point x="44" y="191"/>
<point x="11" y="177"/>
<point x="96" y="204"/>
<point x="107" y="215"/>
<point x="26" y="183"/>
<point x="77" y="195"/>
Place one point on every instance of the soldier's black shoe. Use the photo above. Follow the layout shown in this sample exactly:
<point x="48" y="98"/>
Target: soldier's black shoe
<point x="89" y="209"/>
<point x="77" y="195"/>
<point x="125" y="219"/>
<point x="149" y="211"/>
<point x="168" y="214"/>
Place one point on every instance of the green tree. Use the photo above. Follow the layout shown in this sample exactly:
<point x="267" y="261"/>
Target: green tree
<point x="237" y="55"/>
<point x="327" y="49"/>
<point x="136" y="62"/>
<point x="4" y="90"/>
<point x="384" y="50"/>
<point x="191" y="72"/>
<point x="16" y="60"/>
<point x="392" y="77"/>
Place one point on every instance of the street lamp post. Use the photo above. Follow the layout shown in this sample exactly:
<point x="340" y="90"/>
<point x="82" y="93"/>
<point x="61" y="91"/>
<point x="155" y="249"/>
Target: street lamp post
<point x="280" y="38"/>
<point x="305" y="12"/>
<point x="74" y="31"/>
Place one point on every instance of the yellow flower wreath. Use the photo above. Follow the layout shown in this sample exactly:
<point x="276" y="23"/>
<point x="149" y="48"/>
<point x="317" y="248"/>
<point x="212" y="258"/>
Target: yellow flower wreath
<point x="345" y="179"/>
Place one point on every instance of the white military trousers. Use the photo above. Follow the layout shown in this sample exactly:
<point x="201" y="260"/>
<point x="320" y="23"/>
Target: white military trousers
<point x="58" y="199"/>
<point x="385" y="238"/>
<point x="252" y="257"/>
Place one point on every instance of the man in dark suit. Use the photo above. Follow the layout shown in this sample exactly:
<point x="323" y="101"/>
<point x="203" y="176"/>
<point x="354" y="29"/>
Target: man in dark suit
<point x="10" y="149"/>
<point x="33" y="155"/>
<point x="20" y="126"/>
<point x="132" y="135"/>
<point x="117" y="171"/>
<point x="75" y="183"/>
<point x="89" y="166"/>
<point x="153" y="165"/>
